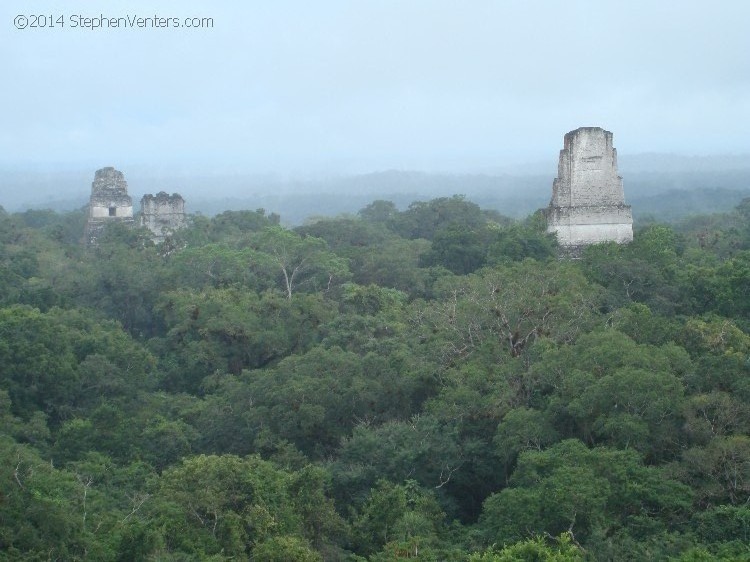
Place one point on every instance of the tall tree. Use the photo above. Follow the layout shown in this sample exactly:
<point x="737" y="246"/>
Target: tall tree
<point x="300" y="260"/>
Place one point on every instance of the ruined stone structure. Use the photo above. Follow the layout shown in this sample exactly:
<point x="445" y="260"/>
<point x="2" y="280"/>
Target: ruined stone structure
<point x="162" y="214"/>
<point x="588" y="203"/>
<point x="109" y="202"/>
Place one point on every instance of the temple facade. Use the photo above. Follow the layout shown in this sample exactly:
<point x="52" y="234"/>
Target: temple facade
<point x="162" y="214"/>
<point x="109" y="203"/>
<point x="588" y="202"/>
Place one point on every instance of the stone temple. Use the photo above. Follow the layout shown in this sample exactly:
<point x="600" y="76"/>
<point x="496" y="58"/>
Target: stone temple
<point x="109" y="202"/>
<point x="162" y="214"/>
<point x="588" y="203"/>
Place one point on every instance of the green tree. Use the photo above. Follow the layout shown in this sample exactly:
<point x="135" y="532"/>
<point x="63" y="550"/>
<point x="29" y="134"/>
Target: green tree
<point x="321" y="524"/>
<point x="715" y="414"/>
<point x="399" y="517"/>
<point x="509" y="306"/>
<point x="314" y="400"/>
<point x="458" y="249"/>
<point x="535" y="549"/>
<point x="719" y="349"/>
<point x="120" y="277"/>
<point x="223" y="504"/>
<point x="214" y="265"/>
<point x="228" y="330"/>
<point x="426" y="219"/>
<point x="517" y="242"/>
<point x="523" y="429"/>
<point x="645" y="271"/>
<point x="571" y="488"/>
<point x="605" y="388"/>
<point x="423" y="449"/>
<point x="631" y="408"/>
<point x="53" y="362"/>
<point x="285" y="549"/>
<point x="720" y="471"/>
<point x="379" y="211"/>
<point x="232" y="225"/>
<point x="48" y="512"/>
<point x="300" y="260"/>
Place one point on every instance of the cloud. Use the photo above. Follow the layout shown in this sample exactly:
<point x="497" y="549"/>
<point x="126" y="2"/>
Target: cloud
<point x="377" y="83"/>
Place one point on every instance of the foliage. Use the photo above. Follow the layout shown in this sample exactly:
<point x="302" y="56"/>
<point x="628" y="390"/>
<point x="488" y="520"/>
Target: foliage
<point x="532" y="550"/>
<point x="507" y="308"/>
<point x="569" y="487"/>
<point x="430" y="383"/>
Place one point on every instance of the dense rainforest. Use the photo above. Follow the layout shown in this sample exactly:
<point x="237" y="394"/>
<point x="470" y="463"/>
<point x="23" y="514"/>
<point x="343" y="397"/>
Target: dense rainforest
<point x="432" y="383"/>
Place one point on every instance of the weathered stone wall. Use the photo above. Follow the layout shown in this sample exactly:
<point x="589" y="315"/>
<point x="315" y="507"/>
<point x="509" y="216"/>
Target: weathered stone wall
<point x="588" y="202"/>
<point x="109" y="202"/>
<point x="162" y="214"/>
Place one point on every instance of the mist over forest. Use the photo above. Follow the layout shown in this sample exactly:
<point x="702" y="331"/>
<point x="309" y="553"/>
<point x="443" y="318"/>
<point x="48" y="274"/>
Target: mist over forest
<point x="658" y="186"/>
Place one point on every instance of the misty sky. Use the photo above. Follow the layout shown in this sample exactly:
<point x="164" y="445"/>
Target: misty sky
<point x="362" y="85"/>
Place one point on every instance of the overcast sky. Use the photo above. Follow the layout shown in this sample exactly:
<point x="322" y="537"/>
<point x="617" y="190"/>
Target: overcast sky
<point x="362" y="85"/>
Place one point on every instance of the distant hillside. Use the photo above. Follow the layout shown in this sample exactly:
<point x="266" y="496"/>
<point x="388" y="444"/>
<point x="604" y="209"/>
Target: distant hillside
<point x="666" y="196"/>
<point x="666" y="186"/>
<point x="676" y="204"/>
